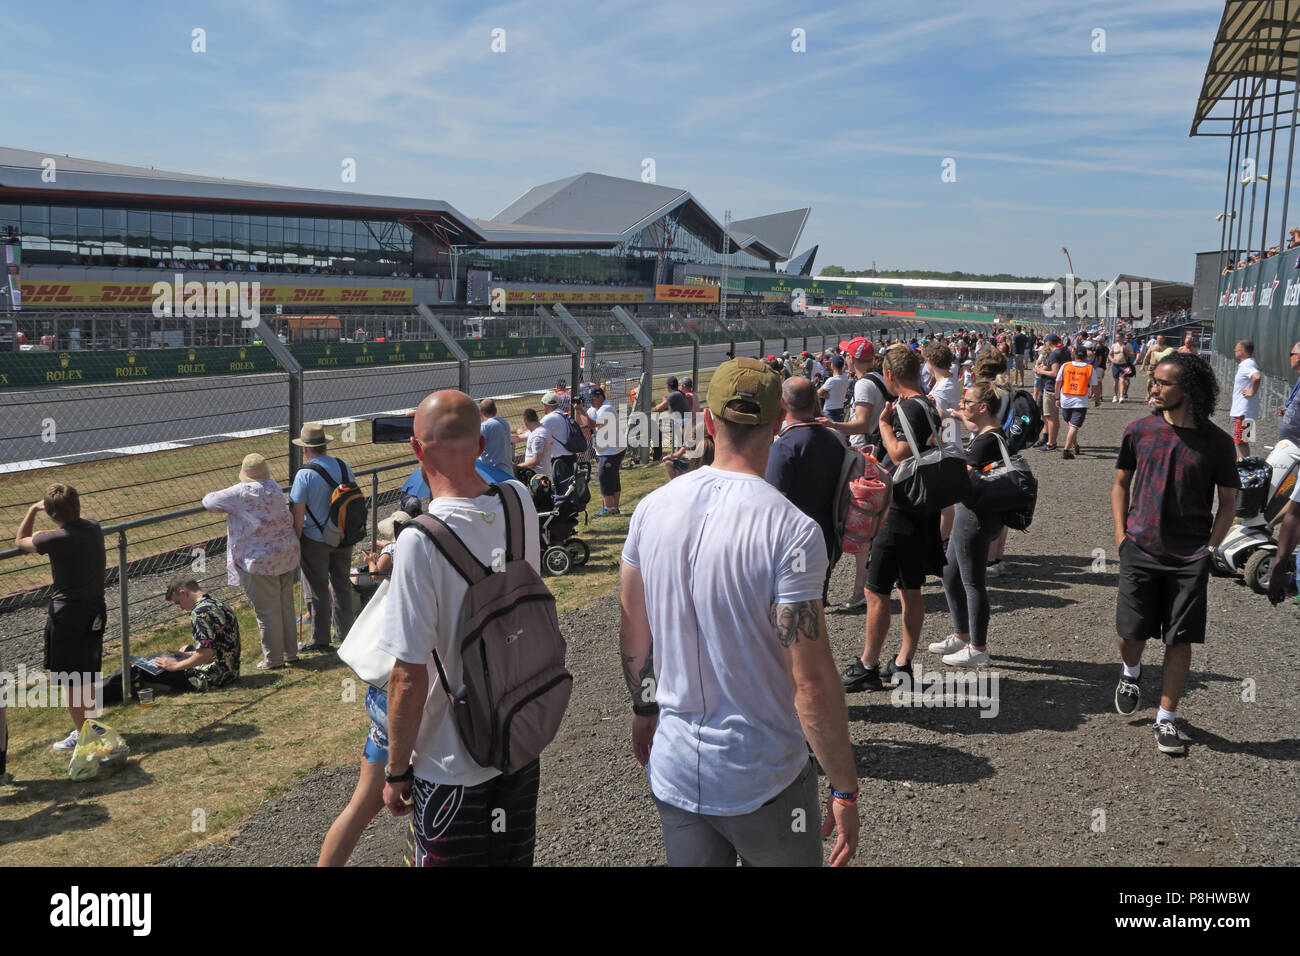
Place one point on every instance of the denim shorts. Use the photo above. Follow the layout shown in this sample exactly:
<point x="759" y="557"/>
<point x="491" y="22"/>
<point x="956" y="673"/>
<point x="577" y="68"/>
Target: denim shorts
<point x="376" y="750"/>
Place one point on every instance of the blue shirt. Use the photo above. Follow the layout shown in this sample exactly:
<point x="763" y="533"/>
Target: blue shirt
<point x="496" y="451"/>
<point x="314" y="491"/>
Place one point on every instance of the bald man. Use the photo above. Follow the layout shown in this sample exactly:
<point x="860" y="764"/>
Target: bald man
<point x="455" y="800"/>
<point x="804" y="464"/>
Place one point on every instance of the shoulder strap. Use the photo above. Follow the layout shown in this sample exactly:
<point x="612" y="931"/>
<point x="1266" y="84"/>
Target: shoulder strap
<point x="321" y="470"/>
<point x="512" y="505"/>
<point x="453" y="549"/>
<point x="907" y="429"/>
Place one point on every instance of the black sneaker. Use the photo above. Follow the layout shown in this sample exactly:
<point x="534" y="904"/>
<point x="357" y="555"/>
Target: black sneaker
<point x="895" y="675"/>
<point x="1067" y="455"/>
<point x="1127" y="694"/>
<point x="1167" y="739"/>
<point x="857" y="676"/>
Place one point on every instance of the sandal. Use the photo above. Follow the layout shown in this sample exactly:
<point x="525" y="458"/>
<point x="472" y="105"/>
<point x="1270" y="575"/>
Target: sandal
<point x="268" y="666"/>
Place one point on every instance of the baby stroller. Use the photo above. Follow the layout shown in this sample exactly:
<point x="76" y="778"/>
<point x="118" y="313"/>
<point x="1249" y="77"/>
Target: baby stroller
<point x="1251" y="546"/>
<point x="557" y="514"/>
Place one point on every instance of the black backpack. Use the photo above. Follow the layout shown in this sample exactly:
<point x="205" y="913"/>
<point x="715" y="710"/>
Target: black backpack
<point x="873" y="438"/>
<point x="349" y="510"/>
<point x="574" y="440"/>
<point x="1023" y="422"/>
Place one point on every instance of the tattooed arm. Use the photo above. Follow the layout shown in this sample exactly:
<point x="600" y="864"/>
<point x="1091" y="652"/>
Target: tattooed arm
<point x="823" y="714"/>
<point x="636" y="649"/>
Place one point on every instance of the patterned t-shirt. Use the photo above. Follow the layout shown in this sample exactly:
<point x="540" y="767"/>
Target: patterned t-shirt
<point x="216" y="628"/>
<point x="1175" y="473"/>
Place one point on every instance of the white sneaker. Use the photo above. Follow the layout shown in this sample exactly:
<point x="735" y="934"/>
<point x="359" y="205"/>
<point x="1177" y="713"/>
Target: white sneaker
<point x="967" y="657"/>
<point x="69" y="742"/>
<point x="1114" y="399"/>
<point x="949" y="644"/>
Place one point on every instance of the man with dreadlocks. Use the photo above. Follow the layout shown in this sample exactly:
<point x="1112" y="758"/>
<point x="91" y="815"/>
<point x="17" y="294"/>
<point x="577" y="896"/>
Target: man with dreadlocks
<point x="1170" y="464"/>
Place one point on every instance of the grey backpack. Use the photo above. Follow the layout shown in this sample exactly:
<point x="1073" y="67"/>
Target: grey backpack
<point x="516" y="687"/>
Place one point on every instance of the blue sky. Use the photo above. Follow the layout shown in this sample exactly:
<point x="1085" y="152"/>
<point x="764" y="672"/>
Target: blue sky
<point x="1055" y="145"/>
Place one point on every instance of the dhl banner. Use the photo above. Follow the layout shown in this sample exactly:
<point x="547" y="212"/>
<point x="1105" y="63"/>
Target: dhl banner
<point x="141" y="294"/>
<point x="571" y="295"/>
<point x="686" y="293"/>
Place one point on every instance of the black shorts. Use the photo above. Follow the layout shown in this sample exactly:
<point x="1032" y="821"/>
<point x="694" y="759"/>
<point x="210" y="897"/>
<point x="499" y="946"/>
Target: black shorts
<point x="1117" y="371"/>
<point x="74" y="637"/>
<point x="607" y="473"/>
<point x="493" y="824"/>
<point x="906" y="549"/>
<point x="1160" y="600"/>
<point x="1074" y="416"/>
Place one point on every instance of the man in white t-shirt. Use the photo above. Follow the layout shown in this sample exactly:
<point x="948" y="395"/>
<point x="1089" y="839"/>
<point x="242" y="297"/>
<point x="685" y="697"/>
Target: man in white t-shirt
<point x="464" y="813"/>
<point x="725" y="651"/>
<point x="834" y="390"/>
<point x="538" y="445"/>
<point x="1245" y="397"/>
<point x="556" y="424"/>
<point x="609" y="447"/>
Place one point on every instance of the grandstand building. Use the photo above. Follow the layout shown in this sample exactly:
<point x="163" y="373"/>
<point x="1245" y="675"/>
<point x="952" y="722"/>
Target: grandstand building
<point x="97" y="236"/>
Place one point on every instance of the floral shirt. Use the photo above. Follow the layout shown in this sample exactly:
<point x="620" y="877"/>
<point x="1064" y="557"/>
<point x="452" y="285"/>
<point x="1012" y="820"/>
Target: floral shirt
<point x="259" y="528"/>
<point x="217" y="629"/>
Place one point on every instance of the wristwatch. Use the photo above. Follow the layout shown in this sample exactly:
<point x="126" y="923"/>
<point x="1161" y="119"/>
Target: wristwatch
<point x="405" y="777"/>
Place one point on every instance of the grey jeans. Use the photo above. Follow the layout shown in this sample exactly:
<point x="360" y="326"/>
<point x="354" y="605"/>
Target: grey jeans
<point x="325" y="572"/>
<point x="785" y="831"/>
<point x="271" y="596"/>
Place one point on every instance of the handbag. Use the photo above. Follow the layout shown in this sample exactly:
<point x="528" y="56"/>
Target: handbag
<point x="1008" y="490"/>
<point x="930" y="481"/>
<point x="360" y="649"/>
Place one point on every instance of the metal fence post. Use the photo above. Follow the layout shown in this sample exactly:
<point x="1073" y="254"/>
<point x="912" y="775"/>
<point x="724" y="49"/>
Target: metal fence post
<point x="297" y="384"/>
<point x="458" y="353"/>
<point x="579" y="335"/>
<point x="124" y="616"/>
<point x="644" y="396"/>
<point x="374" y="511"/>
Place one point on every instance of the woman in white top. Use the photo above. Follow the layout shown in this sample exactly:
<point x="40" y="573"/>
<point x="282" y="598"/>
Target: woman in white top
<point x="262" y="555"/>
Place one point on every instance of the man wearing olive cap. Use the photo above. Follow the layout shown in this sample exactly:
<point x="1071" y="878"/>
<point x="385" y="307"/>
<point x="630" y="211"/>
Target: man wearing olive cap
<point x="721" y="570"/>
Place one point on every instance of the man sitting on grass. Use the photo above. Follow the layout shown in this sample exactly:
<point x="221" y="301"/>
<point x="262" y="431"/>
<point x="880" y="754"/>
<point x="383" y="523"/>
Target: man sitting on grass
<point x="211" y="661"/>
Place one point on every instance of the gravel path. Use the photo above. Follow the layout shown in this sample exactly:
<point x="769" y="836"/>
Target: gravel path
<point x="942" y="784"/>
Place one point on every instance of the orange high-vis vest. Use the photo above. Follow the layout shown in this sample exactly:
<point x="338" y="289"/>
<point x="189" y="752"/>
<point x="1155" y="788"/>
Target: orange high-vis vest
<point x="1076" y="379"/>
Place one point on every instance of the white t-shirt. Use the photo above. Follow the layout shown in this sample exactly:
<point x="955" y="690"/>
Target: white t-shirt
<point x="605" y="439"/>
<point x="539" y="445"/>
<point x="555" y="425"/>
<point x="837" y="386"/>
<point x="1071" y="401"/>
<point x="866" y="391"/>
<point x="424" y="602"/>
<point x="1241" y="405"/>
<point x="946" y="394"/>
<point x="717" y="551"/>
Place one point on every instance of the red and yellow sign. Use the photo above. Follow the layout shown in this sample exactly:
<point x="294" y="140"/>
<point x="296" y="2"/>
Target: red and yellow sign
<point x="686" y="293"/>
<point x="141" y="294"/>
<point x="570" y="295"/>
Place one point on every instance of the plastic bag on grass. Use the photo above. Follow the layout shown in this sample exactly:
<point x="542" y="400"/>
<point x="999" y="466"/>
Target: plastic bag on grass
<point x="99" y="747"/>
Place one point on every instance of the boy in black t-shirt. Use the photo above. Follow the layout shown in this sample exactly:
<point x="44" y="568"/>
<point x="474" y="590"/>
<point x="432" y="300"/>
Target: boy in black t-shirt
<point x="74" y="623"/>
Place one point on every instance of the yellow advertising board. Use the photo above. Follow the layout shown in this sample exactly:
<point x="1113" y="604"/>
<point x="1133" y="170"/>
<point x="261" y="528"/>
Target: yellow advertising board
<point x="572" y="295"/>
<point x="686" y="293"/>
<point x="141" y="294"/>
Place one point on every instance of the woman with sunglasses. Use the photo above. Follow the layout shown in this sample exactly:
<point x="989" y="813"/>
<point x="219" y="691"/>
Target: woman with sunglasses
<point x="965" y="579"/>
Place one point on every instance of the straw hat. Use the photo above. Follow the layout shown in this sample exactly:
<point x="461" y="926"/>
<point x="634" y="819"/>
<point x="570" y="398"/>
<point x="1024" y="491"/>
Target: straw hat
<point x="392" y="526"/>
<point x="254" y="468"/>
<point x="313" y="436"/>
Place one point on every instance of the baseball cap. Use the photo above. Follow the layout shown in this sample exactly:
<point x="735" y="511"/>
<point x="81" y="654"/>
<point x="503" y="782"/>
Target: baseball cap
<point x="1053" y="338"/>
<point x="748" y="380"/>
<point x="858" y="348"/>
<point x="548" y="398"/>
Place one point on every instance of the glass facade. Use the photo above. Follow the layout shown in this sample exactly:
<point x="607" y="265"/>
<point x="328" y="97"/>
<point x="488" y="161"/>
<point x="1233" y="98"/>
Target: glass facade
<point x="101" y="236"/>
<point x="681" y="236"/>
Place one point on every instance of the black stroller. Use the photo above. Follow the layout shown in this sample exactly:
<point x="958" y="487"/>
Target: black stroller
<point x="557" y="513"/>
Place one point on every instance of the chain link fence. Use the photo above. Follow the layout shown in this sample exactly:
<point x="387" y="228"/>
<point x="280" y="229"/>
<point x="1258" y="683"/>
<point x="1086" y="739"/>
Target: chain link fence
<point x="143" y="447"/>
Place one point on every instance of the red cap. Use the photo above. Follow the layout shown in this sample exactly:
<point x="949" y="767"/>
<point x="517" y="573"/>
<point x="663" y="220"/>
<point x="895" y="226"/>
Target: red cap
<point x="859" y="348"/>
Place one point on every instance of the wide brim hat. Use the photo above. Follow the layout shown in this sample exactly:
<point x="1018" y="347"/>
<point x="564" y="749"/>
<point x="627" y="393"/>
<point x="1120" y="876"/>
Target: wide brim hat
<point x="390" y="527"/>
<point x="254" y="468"/>
<point x="313" y="436"/>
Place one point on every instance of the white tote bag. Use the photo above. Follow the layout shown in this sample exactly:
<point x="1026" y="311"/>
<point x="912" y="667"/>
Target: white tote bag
<point x="360" y="649"/>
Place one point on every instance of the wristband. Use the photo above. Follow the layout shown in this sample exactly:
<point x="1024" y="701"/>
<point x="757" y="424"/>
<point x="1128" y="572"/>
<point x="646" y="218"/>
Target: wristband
<point x="405" y="777"/>
<point x="645" y="710"/>
<point x="848" y="799"/>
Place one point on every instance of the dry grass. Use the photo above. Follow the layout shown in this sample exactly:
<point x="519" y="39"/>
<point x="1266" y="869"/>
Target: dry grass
<point x="224" y="752"/>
